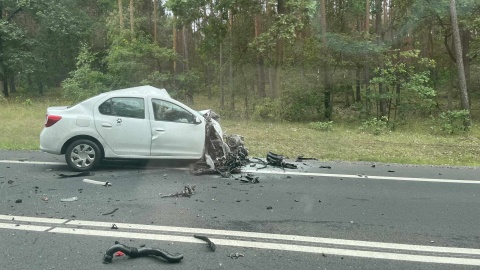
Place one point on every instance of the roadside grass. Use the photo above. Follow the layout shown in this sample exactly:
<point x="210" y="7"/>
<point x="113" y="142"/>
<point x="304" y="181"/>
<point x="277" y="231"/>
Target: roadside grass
<point x="22" y="121"/>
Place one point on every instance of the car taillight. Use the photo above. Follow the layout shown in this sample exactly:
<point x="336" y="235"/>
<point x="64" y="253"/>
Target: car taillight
<point x="52" y="119"/>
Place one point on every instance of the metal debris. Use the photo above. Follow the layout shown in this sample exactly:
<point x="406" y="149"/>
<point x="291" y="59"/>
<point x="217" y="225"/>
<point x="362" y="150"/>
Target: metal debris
<point x="187" y="192"/>
<point x="279" y="161"/>
<point x="301" y="158"/>
<point x="105" y="184"/>
<point x="18" y="200"/>
<point x="72" y="199"/>
<point x="235" y="255"/>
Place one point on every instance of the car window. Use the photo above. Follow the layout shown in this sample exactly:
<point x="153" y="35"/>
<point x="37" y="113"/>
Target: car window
<point x="167" y="111"/>
<point x="123" y="106"/>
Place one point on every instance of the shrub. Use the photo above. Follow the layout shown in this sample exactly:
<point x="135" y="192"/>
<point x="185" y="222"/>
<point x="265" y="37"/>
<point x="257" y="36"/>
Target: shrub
<point x="451" y="122"/>
<point x="375" y="126"/>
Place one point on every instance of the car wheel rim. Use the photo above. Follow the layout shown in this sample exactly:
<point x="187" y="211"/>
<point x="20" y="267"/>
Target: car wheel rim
<point x="83" y="155"/>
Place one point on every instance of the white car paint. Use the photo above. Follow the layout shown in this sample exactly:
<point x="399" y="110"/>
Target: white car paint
<point x="127" y="137"/>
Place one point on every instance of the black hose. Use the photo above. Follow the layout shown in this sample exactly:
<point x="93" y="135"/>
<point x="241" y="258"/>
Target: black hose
<point x="210" y="244"/>
<point x="140" y="252"/>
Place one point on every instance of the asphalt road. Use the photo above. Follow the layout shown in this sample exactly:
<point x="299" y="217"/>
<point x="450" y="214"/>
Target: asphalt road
<point x="322" y="215"/>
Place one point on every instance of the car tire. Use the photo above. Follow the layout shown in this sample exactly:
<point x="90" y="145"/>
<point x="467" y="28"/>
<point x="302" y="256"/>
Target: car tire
<point x="83" y="155"/>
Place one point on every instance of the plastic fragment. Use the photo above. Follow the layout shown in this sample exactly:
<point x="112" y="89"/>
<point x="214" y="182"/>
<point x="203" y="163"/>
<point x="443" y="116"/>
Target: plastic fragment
<point x="72" y="199"/>
<point x="105" y="184"/>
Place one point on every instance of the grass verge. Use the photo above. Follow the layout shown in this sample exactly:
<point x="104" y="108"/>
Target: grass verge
<point x="22" y="122"/>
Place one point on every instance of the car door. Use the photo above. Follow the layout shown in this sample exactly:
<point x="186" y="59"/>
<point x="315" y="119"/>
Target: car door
<point x="175" y="131"/>
<point x="122" y="122"/>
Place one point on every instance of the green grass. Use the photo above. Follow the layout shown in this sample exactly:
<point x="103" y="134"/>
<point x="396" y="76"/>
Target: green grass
<point x="22" y="122"/>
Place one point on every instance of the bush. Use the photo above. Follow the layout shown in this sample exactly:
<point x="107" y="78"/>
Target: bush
<point x="267" y="109"/>
<point x="375" y="126"/>
<point x="451" y="122"/>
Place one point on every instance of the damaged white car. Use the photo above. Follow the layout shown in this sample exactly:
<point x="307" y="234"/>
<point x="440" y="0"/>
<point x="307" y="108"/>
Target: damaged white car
<point x="136" y="123"/>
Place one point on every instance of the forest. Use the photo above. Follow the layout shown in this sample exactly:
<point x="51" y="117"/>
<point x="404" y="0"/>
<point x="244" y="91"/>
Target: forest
<point x="384" y="61"/>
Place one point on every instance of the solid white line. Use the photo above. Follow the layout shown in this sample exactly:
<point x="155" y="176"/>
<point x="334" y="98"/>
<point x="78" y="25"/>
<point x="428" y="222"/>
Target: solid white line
<point x="284" y="237"/>
<point x="276" y="246"/>
<point x="32" y="162"/>
<point x="33" y="219"/>
<point x="366" y="177"/>
<point x="24" y="227"/>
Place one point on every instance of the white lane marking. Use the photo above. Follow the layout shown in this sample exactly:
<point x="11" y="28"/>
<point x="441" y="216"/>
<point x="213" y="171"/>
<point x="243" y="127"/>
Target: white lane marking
<point x="256" y="235"/>
<point x="13" y="226"/>
<point x="32" y="162"/>
<point x="276" y="246"/>
<point x="366" y="177"/>
<point x="33" y="219"/>
<point x="266" y="171"/>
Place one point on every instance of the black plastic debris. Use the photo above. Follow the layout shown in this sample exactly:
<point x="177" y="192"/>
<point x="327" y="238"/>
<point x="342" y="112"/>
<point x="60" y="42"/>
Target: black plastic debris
<point x="250" y="178"/>
<point x="111" y="212"/>
<point x="325" y="167"/>
<point x="114" y="227"/>
<point x="18" y="200"/>
<point x="279" y="161"/>
<point x="87" y="173"/>
<point x="186" y="192"/>
<point x="139" y="252"/>
<point x="302" y="158"/>
<point x="210" y="244"/>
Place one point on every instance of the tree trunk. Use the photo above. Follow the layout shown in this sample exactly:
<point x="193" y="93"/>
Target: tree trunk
<point x="459" y="56"/>
<point x="327" y="95"/>
<point x="131" y="19"/>
<point x="358" y="77"/>
<point x="222" y="88"/>
<point x="367" y="16"/>
<point x="379" y="32"/>
<point x="260" y="63"/>
<point x="120" y="13"/>
<point x="155" y="11"/>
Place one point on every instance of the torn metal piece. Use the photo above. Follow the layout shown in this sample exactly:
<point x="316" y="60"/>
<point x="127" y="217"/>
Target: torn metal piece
<point x="140" y="252"/>
<point x="210" y="244"/>
<point x="72" y="199"/>
<point x="187" y="192"/>
<point x="87" y="173"/>
<point x="235" y="255"/>
<point x="105" y="184"/>
<point x="114" y="227"/>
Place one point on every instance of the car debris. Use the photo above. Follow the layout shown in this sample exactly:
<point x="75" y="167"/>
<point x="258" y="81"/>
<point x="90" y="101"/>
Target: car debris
<point x="186" y="192"/>
<point x="325" y="167"/>
<point x="72" y="199"/>
<point x="210" y="244"/>
<point x="114" y="227"/>
<point x="279" y="161"/>
<point x="235" y="255"/>
<point x="111" y="212"/>
<point x="86" y="173"/>
<point x="250" y="178"/>
<point x="105" y="184"/>
<point x="18" y="200"/>
<point x="44" y="198"/>
<point x="302" y="158"/>
<point x="139" y="252"/>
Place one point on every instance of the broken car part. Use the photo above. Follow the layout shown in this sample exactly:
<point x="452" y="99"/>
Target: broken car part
<point x="210" y="244"/>
<point x="111" y="212"/>
<point x="187" y="192"/>
<point x="87" y="173"/>
<point x="72" y="199"/>
<point x="279" y="161"/>
<point x="140" y="252"/>
<point x="301" y="158"/>
<point x="105" y="184"/>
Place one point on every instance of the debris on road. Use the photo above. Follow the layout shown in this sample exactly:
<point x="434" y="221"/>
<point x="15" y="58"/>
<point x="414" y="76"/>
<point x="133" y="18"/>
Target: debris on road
<point x="187" y="192"/>
<point x="210" y="244"/>
<point x="111" y="212"/>
<point x="87" y="173"/>
<point x="44" y="198"/>
<point x="235" y="255"/>
<point x="10" y="182"/>
<point x="269" y="208"/>
<point x="325" y="167"/>
<point x="301" y="158"/>
<point x="114" y="227"/>
<point x="118" y="254"/>
<point x="72" y="199"/>
<point x="250" y="178"/>
<point x="18" y="200"/>
<point x="105" y="184"/>
<point x="140" y="252"/>
<point x="279" y="161"/>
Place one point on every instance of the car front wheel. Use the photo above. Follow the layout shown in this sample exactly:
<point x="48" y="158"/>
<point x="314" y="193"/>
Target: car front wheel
<point x="83" y="155"/>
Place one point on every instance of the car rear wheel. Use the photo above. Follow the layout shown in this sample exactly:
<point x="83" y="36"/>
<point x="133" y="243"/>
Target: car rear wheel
<point x="83" y="155"/>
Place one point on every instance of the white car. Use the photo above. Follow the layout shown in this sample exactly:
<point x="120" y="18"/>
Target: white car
<point x="141" y="123"/>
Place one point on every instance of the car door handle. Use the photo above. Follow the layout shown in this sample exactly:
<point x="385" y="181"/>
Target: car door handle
<point x="160" y="129"/>
<point x="106" y="125"/>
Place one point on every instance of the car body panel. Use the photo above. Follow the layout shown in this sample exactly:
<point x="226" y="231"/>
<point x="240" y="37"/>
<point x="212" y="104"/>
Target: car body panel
<point x="127" y="137"/>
